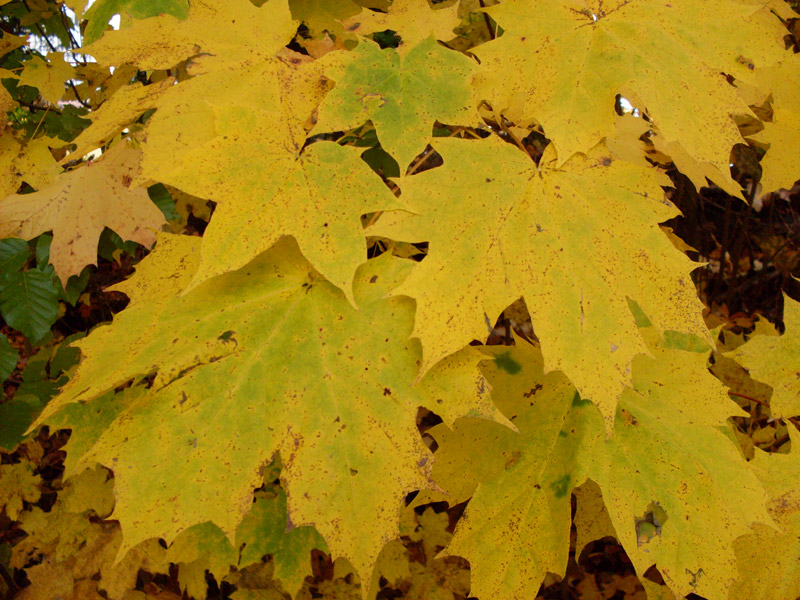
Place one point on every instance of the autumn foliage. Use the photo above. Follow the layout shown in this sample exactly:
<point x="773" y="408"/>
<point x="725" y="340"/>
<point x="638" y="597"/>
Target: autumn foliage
<point x="407" y="261"/>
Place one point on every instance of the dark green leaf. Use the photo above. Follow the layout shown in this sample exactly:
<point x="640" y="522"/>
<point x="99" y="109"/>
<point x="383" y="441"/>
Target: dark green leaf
<point x="29" y="302"/>
<point x="8" y="358"/>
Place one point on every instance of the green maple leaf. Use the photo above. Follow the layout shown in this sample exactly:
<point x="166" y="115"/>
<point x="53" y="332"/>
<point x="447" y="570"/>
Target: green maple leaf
<point x="402" y="92"/>
<point x="562" y="64"/>
<point x="265" y="530"/>
<point x="268" y="358"/>
<point x="499" y="228"/>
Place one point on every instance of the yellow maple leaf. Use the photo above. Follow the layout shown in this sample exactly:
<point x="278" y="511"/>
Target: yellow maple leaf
<point x="79" y="204"/>
<point x="499" y="228"/>
<point x="781" y="164"/>
<point x="413" y="20"/>
<point x="113" y="115"/>
<point x="164" y="41"/>
<point x="30" y="162"/>
<point x="562" y="63"/>
<point x="49" y="76"/>
<point x="774" y="361"/>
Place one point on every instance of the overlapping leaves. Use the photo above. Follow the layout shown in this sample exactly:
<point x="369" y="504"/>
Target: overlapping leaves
<point x="273" y="334"/>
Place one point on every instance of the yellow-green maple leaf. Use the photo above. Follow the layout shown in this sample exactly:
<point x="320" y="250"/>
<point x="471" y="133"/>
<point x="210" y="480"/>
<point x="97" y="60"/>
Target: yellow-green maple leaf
<point x="18" y="484"/>
<point x="402" y="93"/>
<point x="49" y="76"/>
<point x="283" y="188"/>
<point x="664" y="450"/>
<point x="576" y="242"/>
<point x="250" y="34"/>
<point x="563" y="62"/>
<point x="781" y="164"/>
<point x="767" y="558"/>
<point x="517" y="524"/>
<point x="774" y="361"/>
<point x="119" y="111"/>
<point x="324" y="15"/>
<point x="412" y="20"/>
<point x="667" y="450"/>
<point x="30" y="162"/>
<point x="100" y="12"/>
<point x="79" y="204"/>
<point x="267" y="358"/>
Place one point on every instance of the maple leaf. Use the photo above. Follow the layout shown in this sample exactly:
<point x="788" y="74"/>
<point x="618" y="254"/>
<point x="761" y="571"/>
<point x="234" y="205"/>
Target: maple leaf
<point x="265" y="530"/>
<point x="282" y="189"/>
<point x="563" y="64"/>
<point x="499" y="228"/>
<point x="402" y="93"/>
<point x="663" y="452"/>
<point x="164" y="41"/>
<point x="48" y="76"/>
<point x="19" y="484"/>
<point x="80" y="548"/>
<point x="781" y="164"/>
<point x="100" y="13"/>
<point x="514" y="529"/>
<point x="767" y="569"/>
<point x="30" y="162"/>
<point x="413" y="20"/>
<point x="324" y="15"/>
<point x="773" y="360"/>
<point x="79" y="204"/>
<point x="345" y="428"/>
<point x="669" y="454"/>
<point x="111" y="117"/>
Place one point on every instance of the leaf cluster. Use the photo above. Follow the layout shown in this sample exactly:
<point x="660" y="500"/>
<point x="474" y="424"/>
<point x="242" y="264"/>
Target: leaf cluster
<point x="411" y="321"/>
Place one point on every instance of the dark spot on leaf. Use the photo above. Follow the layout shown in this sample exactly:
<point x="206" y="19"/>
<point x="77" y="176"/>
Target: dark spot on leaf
<point x="508" y="364"/>
<point x="353" y="472"/>
<point x="513" y="459"/>
<point x="387" y="391"/>
<point x="559" y="486"/>
<point x="373" y="279"/>
<point x="533" y="390"/>
<point x="578" y="401"/>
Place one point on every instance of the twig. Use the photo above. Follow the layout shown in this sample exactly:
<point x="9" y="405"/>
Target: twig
<point x="761" y="402"/>
<point x="492" y="33"/>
